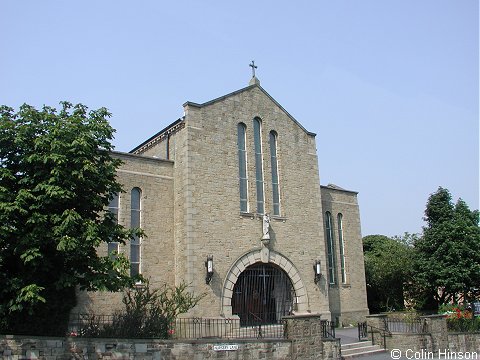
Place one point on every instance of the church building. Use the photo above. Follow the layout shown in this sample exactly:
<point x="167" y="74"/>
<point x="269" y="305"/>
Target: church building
<point x="229" y="198"/>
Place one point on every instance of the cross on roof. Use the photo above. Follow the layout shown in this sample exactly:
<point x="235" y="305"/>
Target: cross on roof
<point x="253" y="66"/>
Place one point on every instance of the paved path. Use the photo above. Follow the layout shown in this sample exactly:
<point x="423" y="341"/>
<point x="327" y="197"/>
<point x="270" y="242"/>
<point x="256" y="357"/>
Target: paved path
<point x="347" y="335"/>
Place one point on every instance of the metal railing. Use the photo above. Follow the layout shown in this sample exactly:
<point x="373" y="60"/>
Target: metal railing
<point x="362" y="331"/>
<point x="88" y="325"/>
<point x="383" y="335"/>
<point x="328" y="329"/>
<point x="410" y="326"/>
<point x="226" y="328"/>
<point x="93" y="325"/>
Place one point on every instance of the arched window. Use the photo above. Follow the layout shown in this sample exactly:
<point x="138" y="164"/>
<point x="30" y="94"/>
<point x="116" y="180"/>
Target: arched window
<point x="242" y="167"/>
<point x="330" y="248"/>
<point x="135" y="214"/>
<point x="274" y="164"/>
<point x="341" y="244"/>
<point x="257" y="139"/>
<point x="113" y="208"/>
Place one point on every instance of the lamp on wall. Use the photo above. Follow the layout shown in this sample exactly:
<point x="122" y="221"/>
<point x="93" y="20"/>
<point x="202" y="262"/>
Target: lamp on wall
<point x="317" y="269"/>
<point x="209" y="266"/>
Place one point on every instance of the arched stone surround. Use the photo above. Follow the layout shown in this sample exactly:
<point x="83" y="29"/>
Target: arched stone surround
<point x="253" y="257"/>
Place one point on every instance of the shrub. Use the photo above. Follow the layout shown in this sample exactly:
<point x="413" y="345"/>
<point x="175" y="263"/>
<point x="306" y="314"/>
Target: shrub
<point x="148" y="313"/>
<point x="462" y="324"/>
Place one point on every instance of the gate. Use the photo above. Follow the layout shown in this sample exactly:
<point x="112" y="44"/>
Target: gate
<point x="263" y="294"/>
<point x="362" y="331"/>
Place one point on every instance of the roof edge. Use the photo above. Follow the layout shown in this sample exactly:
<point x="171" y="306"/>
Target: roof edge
<point x="137" y="156"/>
<point x="338" y="189"/>
<point x="153" y="137"/>
<point x="210" y="102"/>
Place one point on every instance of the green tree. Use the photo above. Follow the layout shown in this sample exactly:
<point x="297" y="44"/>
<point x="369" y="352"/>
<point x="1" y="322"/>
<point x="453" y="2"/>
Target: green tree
<point x="56" y="178"/>
<point x="448" y="254"/>
<point x="388" y="264"/>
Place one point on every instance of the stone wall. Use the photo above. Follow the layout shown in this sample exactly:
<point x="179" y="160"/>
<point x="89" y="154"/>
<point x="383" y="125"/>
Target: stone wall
<point x="191" y="210"/>
<point x="16" y="347"/>
<point x="306" y="335"/>
<point x="212" y="219"/>
<point x="348" y="296"/>
<point x="303" y="342"/>
<point x="154" y="177"/>
<point x="464" y="342"/>
<point x="435" y="339"/>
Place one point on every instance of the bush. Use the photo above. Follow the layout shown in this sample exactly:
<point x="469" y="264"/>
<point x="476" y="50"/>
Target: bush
<point x="463" y="324"/>
<point x="460" y="318"/>
<point x="147" y="314"/>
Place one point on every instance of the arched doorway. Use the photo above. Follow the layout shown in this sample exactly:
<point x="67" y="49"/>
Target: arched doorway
<point x="263" y="293"/>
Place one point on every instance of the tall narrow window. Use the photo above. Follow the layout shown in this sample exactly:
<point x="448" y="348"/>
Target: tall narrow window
<point x="274" y="162"/>
<point x="341" y="244"/>
<point x="135" y="223"/>
<point x="113" y="208"/>
<point x="242" y="167"/>
<point x="257" y="138"/>
<point x="330" y="248"/>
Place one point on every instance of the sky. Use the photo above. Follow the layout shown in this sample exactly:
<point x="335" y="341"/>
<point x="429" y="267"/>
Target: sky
<point x="391" y="88"/>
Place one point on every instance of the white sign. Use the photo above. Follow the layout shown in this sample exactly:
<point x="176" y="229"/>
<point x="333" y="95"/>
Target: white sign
<point x="225" y="347"/>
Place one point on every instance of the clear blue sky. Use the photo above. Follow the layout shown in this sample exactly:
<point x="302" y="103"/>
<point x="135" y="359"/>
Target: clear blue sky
<point x="391" y="88"/>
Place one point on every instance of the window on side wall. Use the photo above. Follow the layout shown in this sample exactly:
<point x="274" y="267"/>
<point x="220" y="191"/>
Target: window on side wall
<point x="257" y="139"/>
<point x="341" y="244"/>
<point x="135" y="219"/>
<point x="113" y="207"/>
<point x="242" y="167"/>
<point x="275" y="180"/>
<point x="330" y="248"/>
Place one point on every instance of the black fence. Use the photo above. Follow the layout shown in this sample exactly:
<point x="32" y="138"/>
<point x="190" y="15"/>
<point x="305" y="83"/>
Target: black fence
<point x="226" y="328"/>
<point x="362" y="331"/>
<point x="89" y="325"/>
<point x="410" y="326"/>
<point x="92" y="325"/>
<point x="328" y="329"/>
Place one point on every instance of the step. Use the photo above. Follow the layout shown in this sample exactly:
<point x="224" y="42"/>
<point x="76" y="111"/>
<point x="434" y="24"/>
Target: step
<point x="357" y="344"/>
<point x="359" y="349"/>
<point x="363" y="354"/>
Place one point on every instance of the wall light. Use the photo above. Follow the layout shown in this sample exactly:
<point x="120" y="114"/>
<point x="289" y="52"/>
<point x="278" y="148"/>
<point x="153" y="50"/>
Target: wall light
<point x="317" y="269"/>
<point x="209" y="266"/>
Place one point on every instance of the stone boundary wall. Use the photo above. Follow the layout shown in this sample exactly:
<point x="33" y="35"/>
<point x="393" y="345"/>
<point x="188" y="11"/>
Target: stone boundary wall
<point x="305" y="332"/>
<point x="303" y="342"/>
<point x="459" y="342"/>
<point x="22" y="347"/>
<point x="436" y="339"/>
<point x="44" y="348"/>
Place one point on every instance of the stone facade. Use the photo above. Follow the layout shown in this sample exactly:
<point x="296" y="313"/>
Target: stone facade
<point x="188" y="174"/>
<point x="347" y="295"/>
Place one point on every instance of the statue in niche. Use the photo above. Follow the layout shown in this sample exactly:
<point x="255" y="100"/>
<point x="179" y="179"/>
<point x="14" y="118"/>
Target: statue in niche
<point x="265" y="252"/>
<point x="266" y="229"/>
